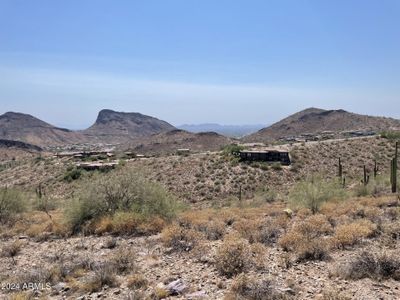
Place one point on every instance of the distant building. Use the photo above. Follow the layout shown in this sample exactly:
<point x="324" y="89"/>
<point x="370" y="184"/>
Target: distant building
<point x="97" y="166"/>
<point x="183" y="151"/>
<point x="272" y="155"/>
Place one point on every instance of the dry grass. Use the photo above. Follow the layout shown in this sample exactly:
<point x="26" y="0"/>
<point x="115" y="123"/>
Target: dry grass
<point x="126" y="224"/>
<point x="308" y="238"/>
<point x="265" y="231"/>
<point x="104" y="274"/>
<point x="137" y="281"/>
<point x="179" y="238"/>
<point x="233" y="256"/>
<point x="245" y="287"/>
<point x="370" y="265"/>
<point x="205" y="221"/>
<point x="12" y="249"/>
<point x="353" y="233"/>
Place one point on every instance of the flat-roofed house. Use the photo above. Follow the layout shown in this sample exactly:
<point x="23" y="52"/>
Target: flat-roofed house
<point x="269" y="155"/>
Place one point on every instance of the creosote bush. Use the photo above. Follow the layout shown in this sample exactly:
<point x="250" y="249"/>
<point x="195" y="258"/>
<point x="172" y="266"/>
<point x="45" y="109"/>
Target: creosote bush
<point x="11" y="250"/>
<point x="124" y="191"/>
<point x="313" y="193"/>
<point x="308" y="238"/>
<point x="374" y="266"/>
<point x="104" y="274"/>
<point x="245" y="287"/>
<point x="180" y="239"/>
<point x="137" y="281"/>
<point x="73" y="173"/>
<point x="12" y="202"/>
<point x="352" y="233"/>
<point x="233" y="256"/>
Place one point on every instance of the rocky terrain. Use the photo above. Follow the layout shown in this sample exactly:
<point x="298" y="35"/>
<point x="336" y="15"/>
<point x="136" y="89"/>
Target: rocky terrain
<point x="200" y="224"/>
<point x="223" y="254"/>
<point x="315" y="121"/>
<point x="171" y="141"/>
<point x="113" y="127"/>
<point x="233" y="131"/>
<point x="206" y="178"/>
<point x="28" y="129"/>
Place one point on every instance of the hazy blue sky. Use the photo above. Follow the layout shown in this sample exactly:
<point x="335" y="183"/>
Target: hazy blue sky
<point x="230" y="62"/>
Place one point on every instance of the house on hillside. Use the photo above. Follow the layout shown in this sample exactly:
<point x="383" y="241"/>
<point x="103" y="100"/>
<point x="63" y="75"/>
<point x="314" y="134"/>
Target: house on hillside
<point x="268" y="155"/>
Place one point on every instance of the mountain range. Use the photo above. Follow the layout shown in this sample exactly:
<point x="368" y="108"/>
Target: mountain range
<point x="139" y="131"/>
<point x="316" y="120"/>
<point x="234" y="131"/>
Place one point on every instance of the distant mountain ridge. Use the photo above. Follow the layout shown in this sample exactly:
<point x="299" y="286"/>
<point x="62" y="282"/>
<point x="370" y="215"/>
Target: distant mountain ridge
<point x="315" y="120"/>
<point x="139" y="130"/>
<point x="118" y="127"/>
<point x="26" y="128"/>
<point x="110" y="127"/>
<point x="171" y="141"/>
<point x="19" y="145"/>
<point x="235" y="131"/>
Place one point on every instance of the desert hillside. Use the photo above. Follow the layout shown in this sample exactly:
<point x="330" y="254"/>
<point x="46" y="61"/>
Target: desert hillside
<point x="203" y="226"/>
<point x="316" y="121"/>
<point x="171" y="141"/>
<point x="110" y="127"/>
<point x="118" y="127"/>
<point x="26" y="128"/>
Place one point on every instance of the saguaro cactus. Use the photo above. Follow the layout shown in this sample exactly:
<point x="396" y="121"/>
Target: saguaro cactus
<point x="340" y="171"/>
<point x="366" y="176"/>
<point x="393" y="170"/>
<point x="376" y="168"/>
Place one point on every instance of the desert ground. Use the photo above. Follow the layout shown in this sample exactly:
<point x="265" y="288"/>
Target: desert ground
<point x="202" y="226"/>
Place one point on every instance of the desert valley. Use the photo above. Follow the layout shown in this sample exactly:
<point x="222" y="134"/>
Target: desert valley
<point x="135" y="208"/>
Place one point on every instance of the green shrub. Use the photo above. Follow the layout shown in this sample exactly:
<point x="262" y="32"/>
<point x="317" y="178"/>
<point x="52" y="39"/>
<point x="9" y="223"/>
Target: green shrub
<point x="125" y="191"/>
<point x="313" y="193"/>
<point x="375" y="187"/>
<point x="232" y="149"/>
<point x="391" y="135"/>
<point x="276" y="166"/>
<point x="73" y="173"/>
<point x="12" y="202"/>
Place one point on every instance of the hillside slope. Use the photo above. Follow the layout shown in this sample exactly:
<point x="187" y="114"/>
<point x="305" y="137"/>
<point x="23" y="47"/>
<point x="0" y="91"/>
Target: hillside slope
<point x="314" y="121"/>
<point x="28" y="129"/>
<point x="120" y="127"/>
<point x="169" y="142"/>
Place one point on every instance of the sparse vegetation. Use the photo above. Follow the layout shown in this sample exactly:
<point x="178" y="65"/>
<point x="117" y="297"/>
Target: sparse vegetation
<point x="391" y="135"/>
<point x="352" y="233"/>
<point x="308" y="238"/>
<point x="233" y="256"/>
<point x="223" y="246"/>
<point x="73" y="173"/>
<point x="245" y="287"/>
<point x="11" y="250"/>
<point x="374" y="266"/>
<point x="314" y="192"/>
<point x="120" y="192"/>
<point x="12" y="202"/>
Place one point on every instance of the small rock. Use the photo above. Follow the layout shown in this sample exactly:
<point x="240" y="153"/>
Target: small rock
<point x="117" y="292"/>
<point x="176" y="287"/>
<point x="198" y="294"/>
